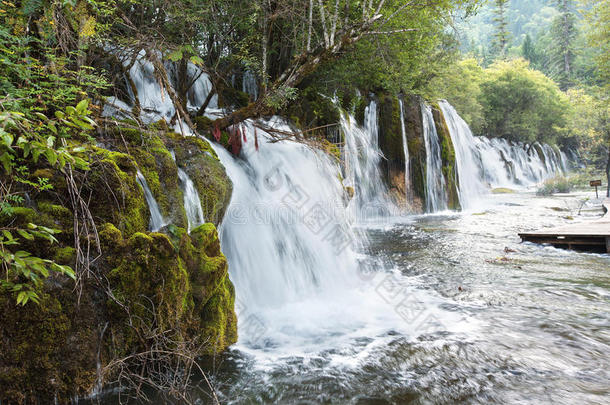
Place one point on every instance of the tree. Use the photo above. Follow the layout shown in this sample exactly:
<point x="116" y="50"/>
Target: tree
<point x="330" y="28"/>
<point x="522" y="104"/>
<point x="598" y="36"/>
<point x="528" y="50"/>
<point x="501" y="34"/>
<point x="562" y="52"/>
<point x="460" y="84"/>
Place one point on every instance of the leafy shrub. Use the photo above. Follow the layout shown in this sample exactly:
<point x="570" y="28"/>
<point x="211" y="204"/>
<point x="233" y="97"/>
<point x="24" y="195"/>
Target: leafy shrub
<point x="559" y="184"/>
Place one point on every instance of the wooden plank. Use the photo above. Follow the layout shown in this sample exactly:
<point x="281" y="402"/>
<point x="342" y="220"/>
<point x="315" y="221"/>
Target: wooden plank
<point x="585" y="235"/>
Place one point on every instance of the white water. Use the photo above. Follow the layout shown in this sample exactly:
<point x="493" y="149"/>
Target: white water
<point x="300" y="284"/>
<point x="436" y="194"/>
<point x="405" y="148"/>
<point x="156" y="218"/>
<point x="362" y="158"/>
<point x="249" y="85"/>
<point x="192" y="203"/>
<point x="467" y="158"/>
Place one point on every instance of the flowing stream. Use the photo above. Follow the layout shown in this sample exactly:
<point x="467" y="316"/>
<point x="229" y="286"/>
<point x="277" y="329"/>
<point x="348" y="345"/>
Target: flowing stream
<point x="420" y="309"/>
<point x="362" y="158"/>
<point x="436" y="194"/>
<point x="156" y="218"/>
<point x="405" y="148"/>
<point x="414" y="309"/>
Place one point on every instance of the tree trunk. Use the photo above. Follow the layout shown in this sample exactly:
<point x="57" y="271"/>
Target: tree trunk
<point x="301" y="67"/>
<point x="608" y="174"/>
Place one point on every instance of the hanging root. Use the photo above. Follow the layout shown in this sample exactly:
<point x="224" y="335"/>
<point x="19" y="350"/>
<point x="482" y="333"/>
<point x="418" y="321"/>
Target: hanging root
<point x="84" y="230"/>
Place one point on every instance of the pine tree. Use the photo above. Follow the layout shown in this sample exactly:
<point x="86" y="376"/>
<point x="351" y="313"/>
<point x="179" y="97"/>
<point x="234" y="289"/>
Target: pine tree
<point x="501" y="35"/>
<point x="528" y="50"/>
<point x="563" y="32"/>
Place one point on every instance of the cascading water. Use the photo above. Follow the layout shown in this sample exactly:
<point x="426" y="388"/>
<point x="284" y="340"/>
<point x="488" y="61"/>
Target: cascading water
<point x="276" y="229"/>
<point x="249" y="85"/>
<point x="192" y="203"/>
<point x="156" y="218"/>
<point x="292" y="254"/>
<point x="362" y="157"/>
<point x="405" y="148"/>
<point x="467" y="157"/>
<point x="436" y="195"/>
<point x="505" y="164"/>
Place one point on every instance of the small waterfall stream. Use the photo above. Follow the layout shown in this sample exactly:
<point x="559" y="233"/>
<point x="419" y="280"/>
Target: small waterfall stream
<point x="362" y="159"/>
<point x="192" y="203"/>
<point x="405" y="148"/>
<point x="467" y="157"/>
<point x="436" y="195"/>
<point x="156" y="218"/>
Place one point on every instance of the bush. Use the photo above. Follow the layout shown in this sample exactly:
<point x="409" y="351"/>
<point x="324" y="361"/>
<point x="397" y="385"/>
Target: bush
<point x="559" y="184"/>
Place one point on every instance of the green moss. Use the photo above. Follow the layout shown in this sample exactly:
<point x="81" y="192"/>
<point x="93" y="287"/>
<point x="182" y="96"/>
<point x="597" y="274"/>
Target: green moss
<point x="203" y="123"/>
<point x="31" y="358"/>
<point x="65" y="255"/>
<point x="116" y="195"/>
<point x="449" y="167"/>
<point x="198" y="160"/>
<point x="176" y="283"/>
<point x="502" y="190"/>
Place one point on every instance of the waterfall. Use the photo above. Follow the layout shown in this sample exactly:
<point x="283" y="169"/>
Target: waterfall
<point x="467" y="157"/>
<point x="494" y="162"/>
<point x="249" y="84"/>
<point x="285" y="232"/>
<point x="192" y="203"/>
<point x="436" y="195"/>
<point x="200" y="89"/>
<point x="156" y="219"/>
<point x="155" y="103"/>
<point x="405" y="147"/>
<point x="362" y="157"/>
<point x="142" y="83"/>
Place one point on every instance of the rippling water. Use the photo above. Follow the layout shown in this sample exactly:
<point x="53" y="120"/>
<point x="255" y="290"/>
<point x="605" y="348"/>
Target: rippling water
<point x="512" y="322"/>
<point x="448" y="308"/>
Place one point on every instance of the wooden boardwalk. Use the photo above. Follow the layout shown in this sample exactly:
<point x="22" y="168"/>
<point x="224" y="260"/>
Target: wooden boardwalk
<point x="592" y="236"/>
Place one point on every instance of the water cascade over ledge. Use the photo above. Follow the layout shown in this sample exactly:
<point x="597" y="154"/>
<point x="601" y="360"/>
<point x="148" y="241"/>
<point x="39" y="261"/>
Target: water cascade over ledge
<point x="362" y="158"/>
<point x="156" y="218"/>
<point x="436" y="194"/>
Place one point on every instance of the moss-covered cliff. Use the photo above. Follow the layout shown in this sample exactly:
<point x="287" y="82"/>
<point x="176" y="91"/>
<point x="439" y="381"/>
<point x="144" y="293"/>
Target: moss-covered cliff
<point x="449" y="167"/>
<point x="142" y="284"/>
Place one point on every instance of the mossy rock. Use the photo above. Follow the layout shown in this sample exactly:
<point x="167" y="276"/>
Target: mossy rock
<point x="417" y="150"/>
<point x="449" y="166"/>
<point x="197" y="158"/>
<point x="502" y="190"/>
<point x="116" y="196"/>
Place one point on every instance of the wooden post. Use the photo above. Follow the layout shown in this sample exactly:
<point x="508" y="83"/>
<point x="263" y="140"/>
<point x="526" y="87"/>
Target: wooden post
<point x="607" y="244"/>
<point x="595" y="183"/>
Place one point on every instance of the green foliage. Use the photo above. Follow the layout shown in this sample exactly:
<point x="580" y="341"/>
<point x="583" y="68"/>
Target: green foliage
<point x="598" y="35"/>
<point x="522" y="104"/>
<point x="558" y="184"/>
<point x="24" y="273"/>
<point x="501" y="35"/>
<point x="460" y="84"/>
<point x="589" y="125"/>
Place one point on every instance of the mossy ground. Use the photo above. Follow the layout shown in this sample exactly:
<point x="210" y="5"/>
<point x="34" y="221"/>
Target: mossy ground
<point x="176" y="282"/>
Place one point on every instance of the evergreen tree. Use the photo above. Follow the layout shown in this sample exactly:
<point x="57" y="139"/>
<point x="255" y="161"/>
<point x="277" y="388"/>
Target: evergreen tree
<point x="528" y="50"/>
<point x="562" y="52"/>
<point x="501" y="35"/>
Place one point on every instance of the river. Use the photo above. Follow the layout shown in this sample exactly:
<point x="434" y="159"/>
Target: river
<point x="483" y="319"/>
